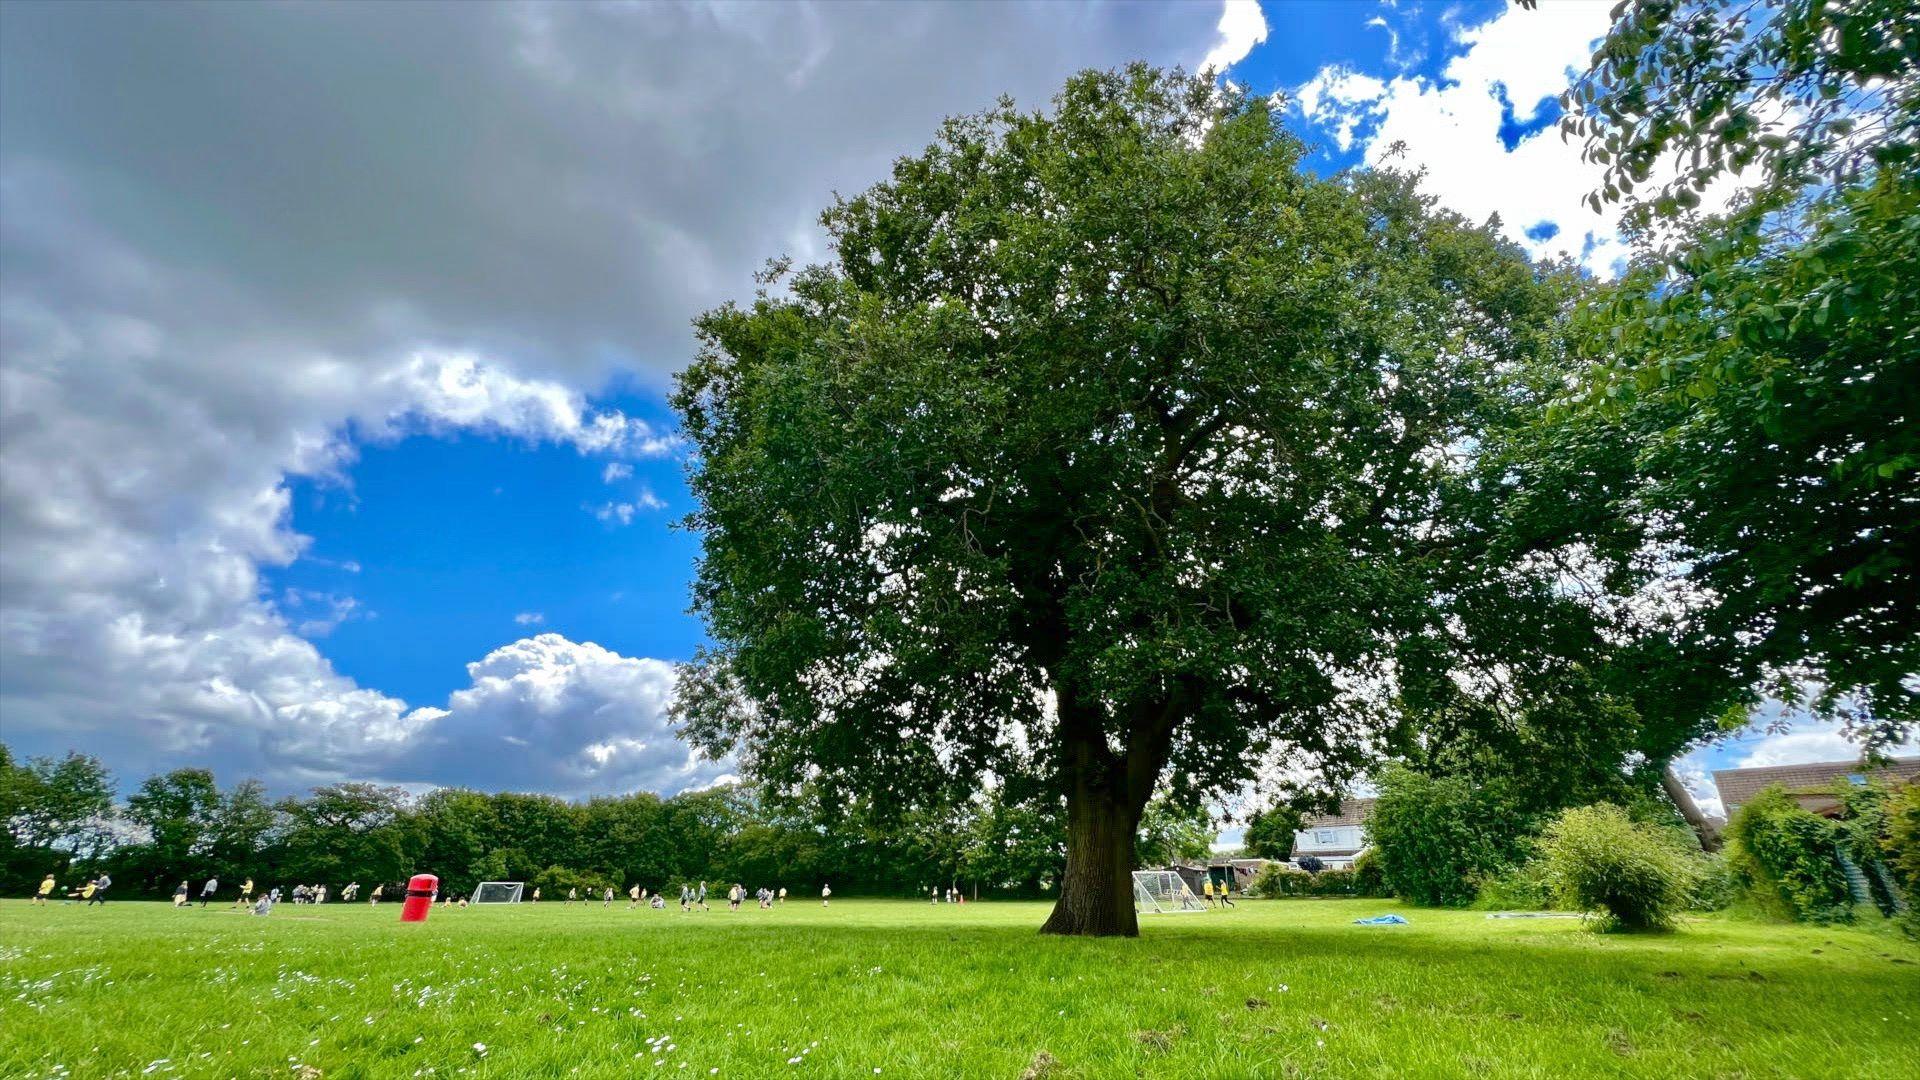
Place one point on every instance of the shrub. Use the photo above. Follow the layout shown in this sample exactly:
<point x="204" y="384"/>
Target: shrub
<point x="1862" y="825"/>
<point x="1786" y="855"/>
<point x="1597" y="858"/>
<point x="1900" y="845"/>
<point x="556" y="880"/>
<point x="1280" y="880"/>
<point x="1523" y="888"/>
<point x="1367" y="878"/>
<point x="1310" y="863"/>
<point x="1901" y="842"/>
<point x="1715" y="885"/>
<point x="1437" y="836"/>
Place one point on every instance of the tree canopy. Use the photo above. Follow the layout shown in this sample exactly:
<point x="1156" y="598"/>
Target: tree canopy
<point x="1114" y="450"/>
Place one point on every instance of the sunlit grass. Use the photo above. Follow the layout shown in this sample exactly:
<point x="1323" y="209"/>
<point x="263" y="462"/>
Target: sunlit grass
<point x="1283" y="988"/>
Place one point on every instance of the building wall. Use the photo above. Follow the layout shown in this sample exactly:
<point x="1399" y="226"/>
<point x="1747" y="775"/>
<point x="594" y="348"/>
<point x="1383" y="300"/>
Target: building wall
<point x="1329" y="838"/>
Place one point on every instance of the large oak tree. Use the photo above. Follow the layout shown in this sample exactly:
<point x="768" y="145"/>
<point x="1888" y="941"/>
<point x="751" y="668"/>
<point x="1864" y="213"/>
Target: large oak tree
<point x="1113" y="451"/>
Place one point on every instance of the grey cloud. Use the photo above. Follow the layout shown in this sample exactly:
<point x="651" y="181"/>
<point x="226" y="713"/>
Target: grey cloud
<point x="236" y="238"/>
<point x="566" y="183"/>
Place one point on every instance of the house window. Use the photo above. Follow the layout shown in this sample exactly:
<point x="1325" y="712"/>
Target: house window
<point x="1325" y="836"/>
<point x="1857" y="779"/>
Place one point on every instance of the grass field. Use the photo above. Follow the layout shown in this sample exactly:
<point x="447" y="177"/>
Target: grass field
<point x="896" y="988"/>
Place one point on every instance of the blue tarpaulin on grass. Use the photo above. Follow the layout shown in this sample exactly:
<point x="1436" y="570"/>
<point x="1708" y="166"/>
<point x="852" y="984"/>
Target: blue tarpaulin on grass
<point x="1381" y="920"/>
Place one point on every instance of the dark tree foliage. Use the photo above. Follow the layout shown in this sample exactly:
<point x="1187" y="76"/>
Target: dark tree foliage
<point x="1112" y="451"/>
<point x="1436" y="838"/>
<point x="52" y="812"/>
<point x="178" y="811"/>
<point x="1269" y="833"/>
<point x="180" y="826"/>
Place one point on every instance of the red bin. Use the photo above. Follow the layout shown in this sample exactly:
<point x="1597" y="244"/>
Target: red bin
<point x="420" y="892"/>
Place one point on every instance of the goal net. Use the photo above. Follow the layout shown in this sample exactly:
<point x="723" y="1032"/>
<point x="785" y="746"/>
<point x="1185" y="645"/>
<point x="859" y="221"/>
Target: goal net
<point x="498" y="892"/>
<point x="1162" y="892"/>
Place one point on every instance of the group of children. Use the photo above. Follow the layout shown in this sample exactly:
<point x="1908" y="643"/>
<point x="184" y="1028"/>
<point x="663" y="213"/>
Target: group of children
<point x="691" y="896"/>
<point x="954" y="896"/>
<point x="95" y="889"/>
<point x="1218" y="892"/>
<point x="92" y="891"/>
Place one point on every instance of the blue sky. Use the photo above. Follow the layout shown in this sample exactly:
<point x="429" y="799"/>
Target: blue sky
<point x="448" y="545"/>
<point x="336" y="338"/>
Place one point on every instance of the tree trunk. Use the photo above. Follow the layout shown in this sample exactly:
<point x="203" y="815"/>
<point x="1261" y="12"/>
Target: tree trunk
<point x="1703" y="826"/>
<point x="1096" y="892"/>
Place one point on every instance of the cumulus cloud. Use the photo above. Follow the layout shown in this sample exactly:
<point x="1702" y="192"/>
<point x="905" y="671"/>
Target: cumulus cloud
<point x="550" y="714"/>
<point x="1484" y="131"/>
<point x="1241" y="27"/>
<point x="240" y="241"/>
<point x="1808" y="742"/>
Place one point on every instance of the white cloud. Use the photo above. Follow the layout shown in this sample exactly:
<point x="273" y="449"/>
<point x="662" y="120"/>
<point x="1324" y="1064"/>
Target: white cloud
<point x="615" y="512"/>
<point x="206" y="295"/>
<point x="1821" y="743"/>
<point x="1241" y="27"/>
<point x="1450" y="127"/>
<point x="446" y="391"/>
<point x="319" y="613"/>
<point x="530" y="618"/>
<point x="551" y="714"/>
<point x="615" y="471"/>
<point x="623" y="513"/>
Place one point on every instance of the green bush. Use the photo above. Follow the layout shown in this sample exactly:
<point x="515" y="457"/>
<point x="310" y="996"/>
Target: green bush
<point x="1861" y="828"/>
<point x="1367" y="877"/>
<point x="1900" y="844"/>
<point x="1786" y="856"/>
<point x="1715" y="885"/>
<point x="1437" y="836"/>
<point x="1277" y="880"/>
<point x="1523" y="888"/>
<point x="1598" y="859"/>
<point x="554" y="882"/>
<point x="1280" y="880"/>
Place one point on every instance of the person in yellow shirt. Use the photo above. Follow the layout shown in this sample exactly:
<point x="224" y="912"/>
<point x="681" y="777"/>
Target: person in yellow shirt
<point x="1226" y="887"/>
<point x="86" y="891"/>
<point x="47" y="886"/>
<point x="1207" y="888"/>
<point x="246" y="894"/>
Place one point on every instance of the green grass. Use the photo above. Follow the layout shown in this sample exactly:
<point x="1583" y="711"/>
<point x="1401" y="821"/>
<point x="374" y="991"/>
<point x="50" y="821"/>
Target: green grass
<point x="1280" y="988"/>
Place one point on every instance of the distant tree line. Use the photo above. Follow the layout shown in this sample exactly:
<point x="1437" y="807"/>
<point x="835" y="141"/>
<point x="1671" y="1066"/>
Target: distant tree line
<point x="62" y="816"/>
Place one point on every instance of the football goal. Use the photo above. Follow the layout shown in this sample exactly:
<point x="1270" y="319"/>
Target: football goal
<point x="1162" y="892"/>
<point x="498" y="892"/>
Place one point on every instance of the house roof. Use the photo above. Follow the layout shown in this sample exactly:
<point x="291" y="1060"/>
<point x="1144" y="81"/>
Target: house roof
<point x="1737" y="786"/>
<point x="1352" y="812"/>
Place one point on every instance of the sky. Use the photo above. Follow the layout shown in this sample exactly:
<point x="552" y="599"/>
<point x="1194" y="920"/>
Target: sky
<point x="335" y="340"/>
